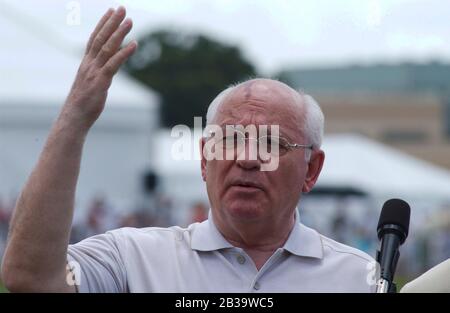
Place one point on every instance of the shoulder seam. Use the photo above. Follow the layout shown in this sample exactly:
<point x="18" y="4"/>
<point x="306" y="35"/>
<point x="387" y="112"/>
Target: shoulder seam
<point x="346" y="252"/>
<point x="150" y="229"/>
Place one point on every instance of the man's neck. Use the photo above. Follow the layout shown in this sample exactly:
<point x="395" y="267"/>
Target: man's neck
<point x="259" y="240"/>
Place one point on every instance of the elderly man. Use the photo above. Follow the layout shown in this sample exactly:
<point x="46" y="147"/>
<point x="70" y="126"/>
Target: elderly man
<point x="253" y="240"/>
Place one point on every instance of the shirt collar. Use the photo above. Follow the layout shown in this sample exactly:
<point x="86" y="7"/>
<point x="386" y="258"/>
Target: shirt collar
<point x="206" y="236"/>
<point x="302" y="241"/>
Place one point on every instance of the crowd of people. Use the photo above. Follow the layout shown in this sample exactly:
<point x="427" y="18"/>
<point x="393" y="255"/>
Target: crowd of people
<point x="157" y="211"/>
<point x="101" y="216"/>
<point x="6" y="207"/>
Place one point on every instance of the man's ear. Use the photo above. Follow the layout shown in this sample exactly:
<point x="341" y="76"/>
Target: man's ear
<point x="203" y="159"/>
<point x="314" y="169"/>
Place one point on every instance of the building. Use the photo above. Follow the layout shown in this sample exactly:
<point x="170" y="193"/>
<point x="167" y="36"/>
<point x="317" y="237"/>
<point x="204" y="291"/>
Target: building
<point x="406" y="106"/>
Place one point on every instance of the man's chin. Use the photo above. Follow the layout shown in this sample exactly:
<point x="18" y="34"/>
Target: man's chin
<point x="245" y="211"/>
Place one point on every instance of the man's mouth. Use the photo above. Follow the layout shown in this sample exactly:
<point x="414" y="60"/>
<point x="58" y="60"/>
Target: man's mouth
<point x="246" y="185"/>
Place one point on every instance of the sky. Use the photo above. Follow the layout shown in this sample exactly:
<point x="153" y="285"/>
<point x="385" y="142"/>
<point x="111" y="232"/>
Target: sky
<point x="273" y="34"/>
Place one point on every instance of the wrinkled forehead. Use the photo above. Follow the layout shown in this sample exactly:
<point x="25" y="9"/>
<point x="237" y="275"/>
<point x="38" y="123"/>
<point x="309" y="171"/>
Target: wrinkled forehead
<point x="262" y="102"/>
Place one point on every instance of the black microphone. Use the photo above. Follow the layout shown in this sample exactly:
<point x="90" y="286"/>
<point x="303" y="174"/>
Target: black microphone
<point x="392" y="230"/>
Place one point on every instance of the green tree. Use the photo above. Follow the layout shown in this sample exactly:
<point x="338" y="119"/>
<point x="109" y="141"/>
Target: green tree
<point x="188" y="71"/>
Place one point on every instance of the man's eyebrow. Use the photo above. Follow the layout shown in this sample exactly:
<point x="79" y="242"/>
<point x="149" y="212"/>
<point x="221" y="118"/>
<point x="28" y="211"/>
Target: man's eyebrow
<point x="281" y="134"/>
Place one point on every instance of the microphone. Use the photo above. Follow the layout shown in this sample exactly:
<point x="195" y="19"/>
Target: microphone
<point x="392" y="230"/>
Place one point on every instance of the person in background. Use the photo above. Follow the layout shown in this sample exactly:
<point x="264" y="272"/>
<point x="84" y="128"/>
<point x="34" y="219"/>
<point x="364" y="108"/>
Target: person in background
<point x="199" y="213"/>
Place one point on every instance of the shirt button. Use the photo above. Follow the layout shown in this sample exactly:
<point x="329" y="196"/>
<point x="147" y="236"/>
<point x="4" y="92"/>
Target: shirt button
<point x="241" y="259"/>
<point x="256" y="286"/>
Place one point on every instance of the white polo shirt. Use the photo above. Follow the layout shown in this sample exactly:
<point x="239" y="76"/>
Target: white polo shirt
<point x="199" y="259"/>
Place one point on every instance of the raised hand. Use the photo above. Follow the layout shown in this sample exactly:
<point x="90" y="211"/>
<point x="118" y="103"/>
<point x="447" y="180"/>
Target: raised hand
<point x="101" y="61"/>
<point x="36" y="254"/>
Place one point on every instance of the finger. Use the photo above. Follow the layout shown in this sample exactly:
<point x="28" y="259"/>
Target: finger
<point x="99" y="26"/>
<point x="107" y="30"/>
<point x="112" y="66"/>
<point x="114" y="42"/>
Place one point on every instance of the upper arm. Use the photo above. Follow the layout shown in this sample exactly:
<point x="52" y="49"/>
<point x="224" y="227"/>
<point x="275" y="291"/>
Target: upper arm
<point x="97" y="265"/>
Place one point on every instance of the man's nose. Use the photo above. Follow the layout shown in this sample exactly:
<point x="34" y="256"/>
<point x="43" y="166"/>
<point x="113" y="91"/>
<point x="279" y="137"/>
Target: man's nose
<point x="248" y="157"/>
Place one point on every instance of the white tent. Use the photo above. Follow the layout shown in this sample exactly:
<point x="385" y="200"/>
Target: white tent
<point x="355" y="161"/>
<point x="355" y="164"/>
<point x="35" y="76"/>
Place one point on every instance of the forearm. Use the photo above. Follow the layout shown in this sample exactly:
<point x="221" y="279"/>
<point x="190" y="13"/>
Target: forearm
<point x="40" y="227"/>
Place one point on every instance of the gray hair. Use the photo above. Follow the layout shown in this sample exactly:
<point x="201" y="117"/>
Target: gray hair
<point x="313" y="127"/>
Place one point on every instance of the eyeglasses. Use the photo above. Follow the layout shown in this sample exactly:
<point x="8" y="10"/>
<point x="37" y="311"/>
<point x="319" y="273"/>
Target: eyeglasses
<point x="273" y="145"/>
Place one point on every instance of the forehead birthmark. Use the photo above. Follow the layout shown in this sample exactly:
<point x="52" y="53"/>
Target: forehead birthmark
<point x="237" y="99"/>
<point x="248" y="90"/>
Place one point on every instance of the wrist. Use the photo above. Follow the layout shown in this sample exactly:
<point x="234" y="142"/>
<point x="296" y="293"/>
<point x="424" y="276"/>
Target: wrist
<point x="72" y="119"/>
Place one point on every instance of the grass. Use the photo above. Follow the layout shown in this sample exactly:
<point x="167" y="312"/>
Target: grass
<point x="2" y="288"/>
